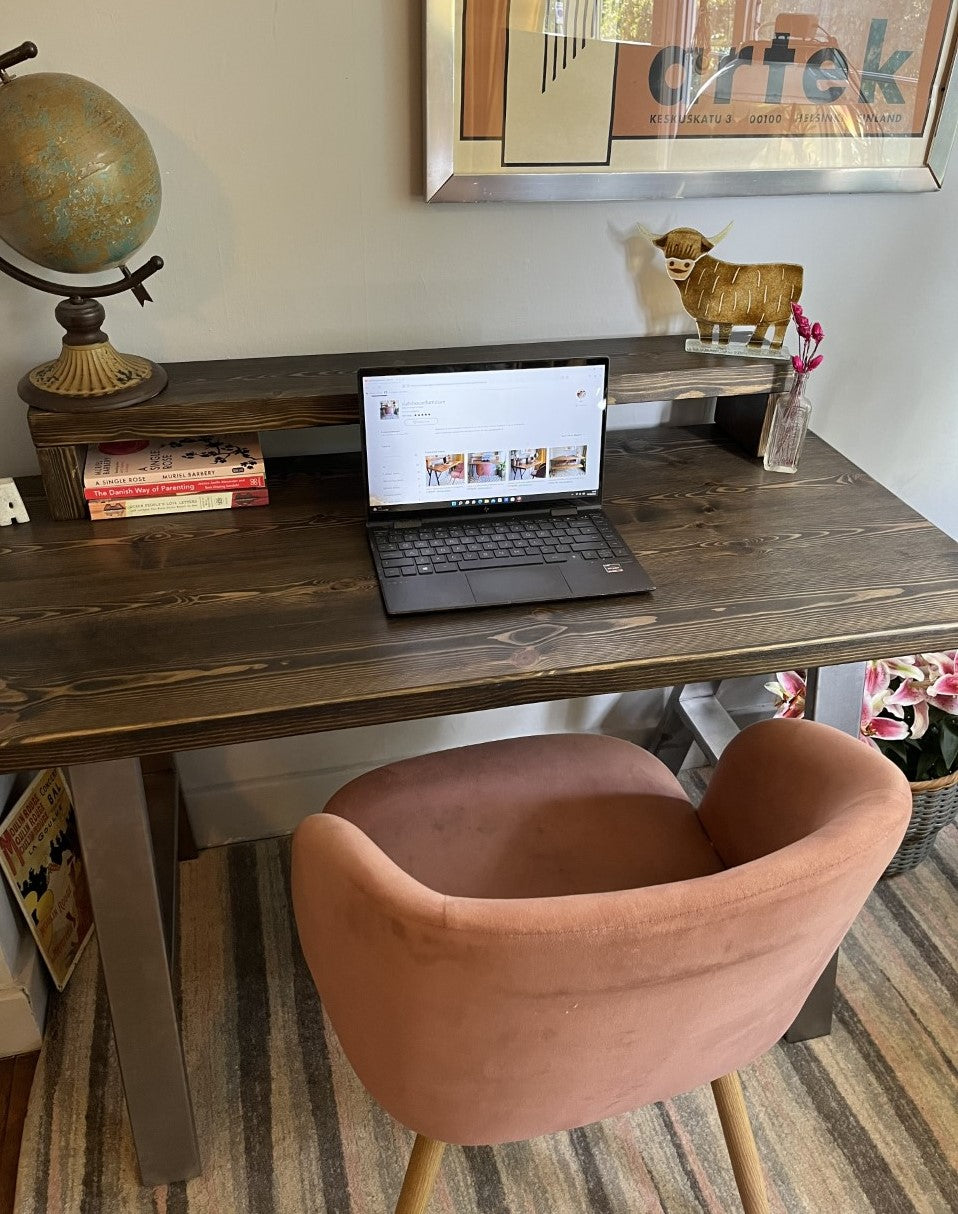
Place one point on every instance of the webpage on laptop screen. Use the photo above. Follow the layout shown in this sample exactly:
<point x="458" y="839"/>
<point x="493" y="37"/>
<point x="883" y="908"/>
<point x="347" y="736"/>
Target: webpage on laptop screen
<point x="471" y="437"/>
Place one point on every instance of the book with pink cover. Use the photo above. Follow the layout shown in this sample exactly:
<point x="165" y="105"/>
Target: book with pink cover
<point x="158" y="462"/>
<point x="125" y="493"/>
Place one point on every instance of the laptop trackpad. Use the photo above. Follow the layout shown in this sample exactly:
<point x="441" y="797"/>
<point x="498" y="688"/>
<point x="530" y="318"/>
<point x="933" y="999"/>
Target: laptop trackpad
<point x="519" y="584"/>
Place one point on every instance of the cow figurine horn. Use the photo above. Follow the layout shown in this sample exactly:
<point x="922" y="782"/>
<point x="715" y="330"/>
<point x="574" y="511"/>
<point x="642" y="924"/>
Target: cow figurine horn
<point x="713" y="240"/>
<point x="651" y="237"/>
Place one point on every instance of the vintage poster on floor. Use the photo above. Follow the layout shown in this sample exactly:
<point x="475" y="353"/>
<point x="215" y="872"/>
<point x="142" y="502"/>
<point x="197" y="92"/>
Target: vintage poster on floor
<point x="40" y="855"/>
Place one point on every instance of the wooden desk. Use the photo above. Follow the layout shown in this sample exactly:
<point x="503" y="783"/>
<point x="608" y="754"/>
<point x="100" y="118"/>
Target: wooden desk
<point x="146" y="636"/>
<point x="226" y="396"/>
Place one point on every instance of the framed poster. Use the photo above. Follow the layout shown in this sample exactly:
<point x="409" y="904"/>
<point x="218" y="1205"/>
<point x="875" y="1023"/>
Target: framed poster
<point x="610" y="99"/>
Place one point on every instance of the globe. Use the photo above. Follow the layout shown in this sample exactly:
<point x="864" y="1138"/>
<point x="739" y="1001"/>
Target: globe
<point x="79" y="193"/>
<point x="79" y="183"/>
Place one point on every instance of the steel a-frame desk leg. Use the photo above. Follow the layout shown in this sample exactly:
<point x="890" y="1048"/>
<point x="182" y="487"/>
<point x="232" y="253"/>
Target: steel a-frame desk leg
<point x="130" y="865"/>
<point x="693" y="714"/>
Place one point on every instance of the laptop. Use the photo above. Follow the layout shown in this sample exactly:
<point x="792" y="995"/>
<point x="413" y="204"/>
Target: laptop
<point x="484" y="485"/>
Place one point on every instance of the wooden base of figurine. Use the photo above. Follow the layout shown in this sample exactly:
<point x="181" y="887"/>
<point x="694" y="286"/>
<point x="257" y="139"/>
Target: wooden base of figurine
<point x="738" y="349"/>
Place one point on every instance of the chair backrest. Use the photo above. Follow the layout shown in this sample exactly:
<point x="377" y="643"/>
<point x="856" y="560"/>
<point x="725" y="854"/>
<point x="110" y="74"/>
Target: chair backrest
<point x="483" y="1020"/>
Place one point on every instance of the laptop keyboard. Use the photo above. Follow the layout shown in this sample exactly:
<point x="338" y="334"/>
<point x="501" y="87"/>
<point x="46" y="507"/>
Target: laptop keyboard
<point x="454" y="547"/>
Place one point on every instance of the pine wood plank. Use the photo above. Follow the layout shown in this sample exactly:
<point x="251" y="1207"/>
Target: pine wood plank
<point x="20" y="1071"/>
<point x="232" y="395"/>
<point x="6" y="1084"/>
<point x="176" y="632"/>
<point x="61" y="469"/>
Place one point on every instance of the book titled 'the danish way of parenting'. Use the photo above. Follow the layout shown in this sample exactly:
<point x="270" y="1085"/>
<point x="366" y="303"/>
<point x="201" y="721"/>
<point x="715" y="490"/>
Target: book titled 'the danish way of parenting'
<point x="177" y="503"/>
<point x="143" y="468"/>
<point x="40" y="855"/>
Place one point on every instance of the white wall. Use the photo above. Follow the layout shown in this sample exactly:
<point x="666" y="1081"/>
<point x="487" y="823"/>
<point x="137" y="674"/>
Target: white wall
<point x="288" y="133"/>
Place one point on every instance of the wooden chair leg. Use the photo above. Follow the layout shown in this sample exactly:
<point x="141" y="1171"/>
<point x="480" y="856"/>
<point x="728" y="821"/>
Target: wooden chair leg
<point x="740" y="1141"/>
<point x="420" y="1175"/>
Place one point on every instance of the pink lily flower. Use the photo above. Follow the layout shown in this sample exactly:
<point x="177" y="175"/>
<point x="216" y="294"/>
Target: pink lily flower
<point x="909" y="692"/>
<point x="934" y="665"/>
<point x="943" y="693"/>
<point x="874" y="726"/>
<point x="920" y="724"/>
<point x="948" y="662"/>
<point x="789" y="690"/>
<point x="876" y="700"/>
<point x="877" y="680"/>
<point x="921" y="681"/>
<point x="904" y="668"/>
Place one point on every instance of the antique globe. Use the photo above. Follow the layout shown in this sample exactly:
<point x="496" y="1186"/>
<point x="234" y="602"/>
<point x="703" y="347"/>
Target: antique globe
<point x="79" y="194"/>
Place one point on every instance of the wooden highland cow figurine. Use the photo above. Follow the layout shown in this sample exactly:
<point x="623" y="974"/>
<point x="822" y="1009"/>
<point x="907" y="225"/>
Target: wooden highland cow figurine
<point x="722" y="293"/>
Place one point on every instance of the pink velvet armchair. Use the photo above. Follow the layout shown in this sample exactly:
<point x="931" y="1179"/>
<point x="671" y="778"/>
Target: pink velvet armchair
<point x="527" y="936"/>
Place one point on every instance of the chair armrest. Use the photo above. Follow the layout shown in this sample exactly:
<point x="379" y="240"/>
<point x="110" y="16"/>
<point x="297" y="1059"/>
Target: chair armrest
<point x="782" y="780"/>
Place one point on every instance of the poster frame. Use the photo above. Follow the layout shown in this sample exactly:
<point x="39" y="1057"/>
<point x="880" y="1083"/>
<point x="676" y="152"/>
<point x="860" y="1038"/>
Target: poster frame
<point x="443" y="183"/>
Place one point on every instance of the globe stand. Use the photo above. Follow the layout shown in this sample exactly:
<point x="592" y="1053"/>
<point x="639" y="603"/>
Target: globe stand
<point x="118" y="203"/>
<point x="90" y="373"/>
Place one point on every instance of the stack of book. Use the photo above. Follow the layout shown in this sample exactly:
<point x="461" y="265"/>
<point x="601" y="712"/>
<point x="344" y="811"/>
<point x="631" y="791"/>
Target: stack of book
<point x="137" y="477"/>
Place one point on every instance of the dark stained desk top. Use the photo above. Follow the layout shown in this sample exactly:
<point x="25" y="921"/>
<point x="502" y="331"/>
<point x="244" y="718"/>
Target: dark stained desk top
<point x="148" y="635"/>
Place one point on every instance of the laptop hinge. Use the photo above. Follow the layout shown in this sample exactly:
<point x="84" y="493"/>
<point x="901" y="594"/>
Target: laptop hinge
<point x="567" y="511"/>
<point x="386" y="524"/>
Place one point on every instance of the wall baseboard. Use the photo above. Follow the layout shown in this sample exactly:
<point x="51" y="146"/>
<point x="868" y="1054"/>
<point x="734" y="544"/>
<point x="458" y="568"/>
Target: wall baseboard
<point x="23" y="1008"/>
<point x="261" y="789"/>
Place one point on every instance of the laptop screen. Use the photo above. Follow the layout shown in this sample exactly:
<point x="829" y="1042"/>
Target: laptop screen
<point x="483" y="437"/>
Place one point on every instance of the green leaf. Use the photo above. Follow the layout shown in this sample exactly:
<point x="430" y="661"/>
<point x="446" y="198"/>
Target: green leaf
<point x="949" y="747"/>
<point x="946" y="721"/>
<point x="902" y="755"/>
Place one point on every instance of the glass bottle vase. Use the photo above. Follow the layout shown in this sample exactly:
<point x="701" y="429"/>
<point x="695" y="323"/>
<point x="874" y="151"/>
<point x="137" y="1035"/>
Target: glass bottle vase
<point x="786" y="435"/>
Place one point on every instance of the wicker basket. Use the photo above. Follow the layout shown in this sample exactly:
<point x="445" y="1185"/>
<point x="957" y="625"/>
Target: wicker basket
<point x="934" y="803"/>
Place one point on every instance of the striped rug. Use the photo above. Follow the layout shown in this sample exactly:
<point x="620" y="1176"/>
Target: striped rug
<point x="863" y="1121"/>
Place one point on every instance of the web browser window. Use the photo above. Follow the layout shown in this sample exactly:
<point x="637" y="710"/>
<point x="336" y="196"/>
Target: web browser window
<point x="477" y="437"/>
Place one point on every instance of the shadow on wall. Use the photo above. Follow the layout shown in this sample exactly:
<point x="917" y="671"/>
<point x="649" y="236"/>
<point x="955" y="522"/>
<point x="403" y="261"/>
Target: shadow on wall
<point x="193" y="202"/>
<point x="661" y="313"/>
<point x="658" y="301"/>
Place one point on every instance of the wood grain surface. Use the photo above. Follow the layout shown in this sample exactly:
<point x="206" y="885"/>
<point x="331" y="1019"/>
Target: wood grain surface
<point x="238" y="394"/>
<point x="61" y="469"/>
<point x="140" y="636"/>
<point x="16" y="1080"/>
